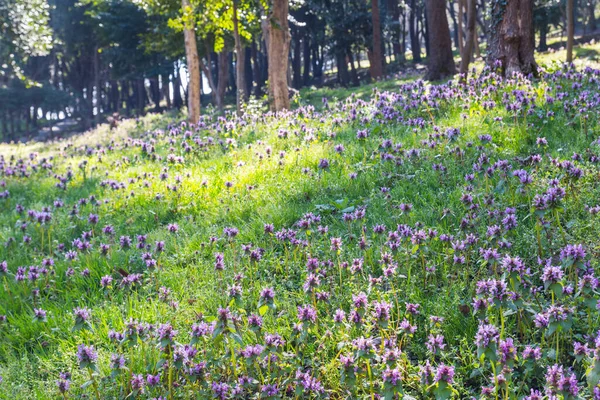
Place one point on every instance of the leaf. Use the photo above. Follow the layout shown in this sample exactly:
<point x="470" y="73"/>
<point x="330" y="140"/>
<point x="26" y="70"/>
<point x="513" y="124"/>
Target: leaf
<point x="87" y="384"/>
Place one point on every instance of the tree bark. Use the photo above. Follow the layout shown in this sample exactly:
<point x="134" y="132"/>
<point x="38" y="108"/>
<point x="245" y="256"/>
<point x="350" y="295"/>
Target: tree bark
<point x="240" y="63"/>
<point x="441" y="61"/>
<point x="222" y="79"/>
<point x="376" y="57"/>
<point x="193" y="64"/>
<point x="455" y="22"/>
<point x="279" y="43"/>
<point x="415" y="46"/>
<point x="306" y="60"/>
<point x="155" y="91"/>
<point x="511" y="43"/>
<point x="353" y="72"/>
<point x="256" y="70"/>
<point x="527" y="44"/>
<point x="296" y="62"/>
<point x="543" y="45"/>
<point x="177" y="100"/>
<point x="570" y="30"/>
<point x="466" y="54"/>
<point x="461" y="21"/>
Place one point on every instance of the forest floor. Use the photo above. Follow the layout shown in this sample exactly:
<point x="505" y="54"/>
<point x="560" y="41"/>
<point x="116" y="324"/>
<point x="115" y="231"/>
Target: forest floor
<point x="436" y="240"/>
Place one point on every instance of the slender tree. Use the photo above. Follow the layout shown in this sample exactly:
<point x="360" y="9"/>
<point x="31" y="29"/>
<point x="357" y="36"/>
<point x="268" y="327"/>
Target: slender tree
<point x="570" y="29"/>
<point x="467" y="52"/>
<point x="415" y="45"/>
<point x="441" y="62"/>
<point x="193" y="64"/>
<point x="278" y="52"/>
<point x="240" y="62"/>
<point x="376" y="58"/>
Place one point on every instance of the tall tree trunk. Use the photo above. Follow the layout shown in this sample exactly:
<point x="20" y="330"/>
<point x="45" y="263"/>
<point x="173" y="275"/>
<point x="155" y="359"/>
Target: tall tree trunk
<point x="461" y="21"/>
<point x="240" y="63"/>
<point x="95" y="100"/>
<point x="396" y="32"/>
<point x="456" y="23"/>
<point x="306" y="59"/>
<point x="441" y="61"/>
<point x="296" y="62"/>
<point x="114" y="96"/>
<point x="166" y="85"/>
<point x="415" y="46"/>
<point x="465" y="58"/>
<point x="570" y="29"/>
<point x="140" y="96"/>
<point x="256" y="70"/>
<point x="193" y="64"/>
<point x="527" y="44"/>
<point x="425" y="28"/>
<point x="591" y="8"/>
<point x="317" y="65"/>
<point x="377" y="57"/>
<point x="222" y="78"/>
<point x="155" y="92"/>
<point x="248" y="71"/>
<point x="543" y="15"/>
<point x="511" y="43"/>
<point x="279" y="44"/>
<point x="177" y="100"/>
<point x="342" y="67"/>
<point x="353" y="73"/>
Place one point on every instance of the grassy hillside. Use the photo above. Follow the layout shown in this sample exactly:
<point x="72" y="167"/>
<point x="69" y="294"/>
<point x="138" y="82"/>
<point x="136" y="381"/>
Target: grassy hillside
<point x="435" y="241"/>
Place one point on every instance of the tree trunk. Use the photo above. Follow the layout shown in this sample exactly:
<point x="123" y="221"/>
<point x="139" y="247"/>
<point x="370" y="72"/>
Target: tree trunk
<point x="396" y="32"/>
<point x="511" y="46"/>
<point x="248" y="71"/>
<point x="425" y="29"/>
<point x="543" y="46"/>
<point x="193" y="64"/>
<point x="240" y="63"/>
<point x="591" y="6"/>
<point x="415" y="46"/>
<point x="177" y="100"/>
<point x="166" y="87"/>
<point x="342" y="67"/>
<point x="306" y="60"/>
<point x="570" y="30"/>
<point x="279" y="43"/>
<point x="296" y="62"/>
<point x="466" y="54"/>
<point x="353" y="73"/>
<point x="155" y="92"/>
<point x="441" y="61"/>
<point x="141" y="96"/>
<point x="527" y="45"/>
<point x="256" y="70"/>
<point x="376" y="67"/>
<point x="456" y="23"/>
<point x="95" y="100"/>
<point x="317" y="65"/>
<point x="461" y="21"/>
<point x="222" y="78"/>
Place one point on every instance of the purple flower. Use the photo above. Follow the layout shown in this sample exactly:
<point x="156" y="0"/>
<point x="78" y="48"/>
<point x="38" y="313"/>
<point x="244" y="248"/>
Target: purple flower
<point x="307" y="314"/>
<point x="444" y="373"/>
<point x="435" y="343"/>
<point x="486" y="335"/>
<point x="87" y="356"/>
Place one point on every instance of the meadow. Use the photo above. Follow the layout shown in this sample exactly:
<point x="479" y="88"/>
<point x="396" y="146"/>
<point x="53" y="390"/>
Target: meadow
<point x="403" y="240"/>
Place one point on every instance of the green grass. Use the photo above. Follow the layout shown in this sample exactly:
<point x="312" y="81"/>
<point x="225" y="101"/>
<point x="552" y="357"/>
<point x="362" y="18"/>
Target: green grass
<point x="276" y="180"/>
